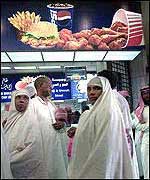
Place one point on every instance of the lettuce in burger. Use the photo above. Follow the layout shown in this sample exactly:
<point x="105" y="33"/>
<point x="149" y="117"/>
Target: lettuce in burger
<point x="42" y="34"/>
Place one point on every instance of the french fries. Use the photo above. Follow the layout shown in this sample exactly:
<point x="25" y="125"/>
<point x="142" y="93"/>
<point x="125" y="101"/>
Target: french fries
<point x="23" y="20"/>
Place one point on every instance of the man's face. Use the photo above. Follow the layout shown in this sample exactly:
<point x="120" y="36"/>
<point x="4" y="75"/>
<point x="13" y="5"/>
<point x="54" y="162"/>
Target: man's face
<point x="93" y="93"/>
<point x="146" y="97"/>
<point x="21" y="103"/>
<point x="46" y="89"/>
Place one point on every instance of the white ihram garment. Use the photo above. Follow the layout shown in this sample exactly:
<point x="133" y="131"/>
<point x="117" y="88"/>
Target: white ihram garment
<point x="145" y="144"/>
<point x="5" y="158"/>
<point x="64" y="142"/>
<point x="142" y="143"/>
<point x="124" y="106"/>
<point x="53" y="150"/>
<point x="100" y="149"/>
<point x="24" y="142"/>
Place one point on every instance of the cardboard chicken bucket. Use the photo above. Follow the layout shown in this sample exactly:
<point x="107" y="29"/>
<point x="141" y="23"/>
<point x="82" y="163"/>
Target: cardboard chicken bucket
<point x="130" y="23"/>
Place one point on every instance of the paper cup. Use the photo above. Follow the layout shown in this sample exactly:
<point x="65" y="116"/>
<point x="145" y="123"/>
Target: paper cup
<point x="134" y="24"/>
<point x="61" y="16"/>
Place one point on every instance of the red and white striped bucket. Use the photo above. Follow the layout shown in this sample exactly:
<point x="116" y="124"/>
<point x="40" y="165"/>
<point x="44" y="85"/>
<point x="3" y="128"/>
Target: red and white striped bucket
<point x="134" y="24"/>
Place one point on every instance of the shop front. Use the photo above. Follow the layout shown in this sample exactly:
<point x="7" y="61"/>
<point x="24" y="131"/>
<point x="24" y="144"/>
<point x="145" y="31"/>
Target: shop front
<point x="70" y="43"/>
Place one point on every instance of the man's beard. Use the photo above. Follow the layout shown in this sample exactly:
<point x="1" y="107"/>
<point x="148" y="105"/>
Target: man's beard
<point x="146" y="102"/>
<point x="46" y="94"/>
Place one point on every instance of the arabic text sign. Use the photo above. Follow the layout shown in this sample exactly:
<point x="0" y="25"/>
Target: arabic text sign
<point x="61" y="89"/>
<point x="6" y="89"/>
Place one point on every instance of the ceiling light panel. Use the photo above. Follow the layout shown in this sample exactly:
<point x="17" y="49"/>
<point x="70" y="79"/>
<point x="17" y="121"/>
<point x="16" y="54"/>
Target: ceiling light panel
<point x="3" y="68"/>
<point x="90" y="56"/>
<point x="58" y="56"/>
<point x="121" y="55"/>
<point x="49" y="67"/>
<point x="25" y="56"/>
<point x="4" y="57"/>
<point x="25" y="67"/>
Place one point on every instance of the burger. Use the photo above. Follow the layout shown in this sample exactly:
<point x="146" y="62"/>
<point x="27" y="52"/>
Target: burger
<point x="41" y="35"/>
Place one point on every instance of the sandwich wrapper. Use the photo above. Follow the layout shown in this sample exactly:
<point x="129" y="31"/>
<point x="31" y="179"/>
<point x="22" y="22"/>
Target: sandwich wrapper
<point x="134" y="24"/>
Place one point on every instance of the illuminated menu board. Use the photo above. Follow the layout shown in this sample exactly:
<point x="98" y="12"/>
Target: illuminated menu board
<point x="76" y="25"/>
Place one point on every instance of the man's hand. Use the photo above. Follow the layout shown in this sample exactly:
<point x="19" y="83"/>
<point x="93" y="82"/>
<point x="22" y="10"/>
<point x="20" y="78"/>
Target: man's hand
<point x="58" y="125"/>
<point x="71" y="132"/>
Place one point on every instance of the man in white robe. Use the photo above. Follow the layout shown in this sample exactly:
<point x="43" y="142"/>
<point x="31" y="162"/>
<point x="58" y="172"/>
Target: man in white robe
<point x="45" y="111"/>
<point x="100" y="149"/>
<point x="24" y="139"/>
<point x="125" y="110"/>
<point x="140" y="123"/>
<point x="5" y="158"/>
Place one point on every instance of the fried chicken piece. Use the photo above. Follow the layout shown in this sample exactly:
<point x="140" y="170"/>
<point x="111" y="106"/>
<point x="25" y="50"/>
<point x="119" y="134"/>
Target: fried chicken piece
<point x="121" y="41"/>
<point x="117" y="24"/>
<point x="123" y="29"/>
<point x="65" y="35"/>
<point x="60" y="43"/>
<point x="77" y="35"/>
<point x="103" y="46"/>
<point x="97" y="31"/>
<point x="71" y="45"/>
<point x="123" y="35"/>
<point x="109" y="38"/>
<point x="103" y="31"/>
<point x="88" y="47"/>
<point x="83" y="42"/>
<point x="109" y="31"/>
<point x="94" y="40"/>
<point x="84" y="33"/>
<point x="118" y="43"/>
<point x="65" y="31"/>
<point x="114" y="45"/>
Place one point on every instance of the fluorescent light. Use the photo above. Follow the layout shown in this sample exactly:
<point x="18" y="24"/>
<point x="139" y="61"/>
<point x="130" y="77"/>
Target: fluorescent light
<point x="58" y="56"/>
<point x="69" y="66"/>
<point x="89" y="56"/>
<point x="25" y="56"/>
<point x="49" y="67"/>
<point x="5" y="67"/>
<point x="58" y="101"/>
<point x="26" y="67"/>
<point x="121" y="55"/>
<point x="4" y="57"/>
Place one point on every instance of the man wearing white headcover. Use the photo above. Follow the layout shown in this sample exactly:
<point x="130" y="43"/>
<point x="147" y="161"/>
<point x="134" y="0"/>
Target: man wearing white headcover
<point x="100" y="149"/>
<point x="45" y="110"/>
<point x="140" y="122"/>
<point x="5" y="158"/>
<point x="24" y="139"/>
